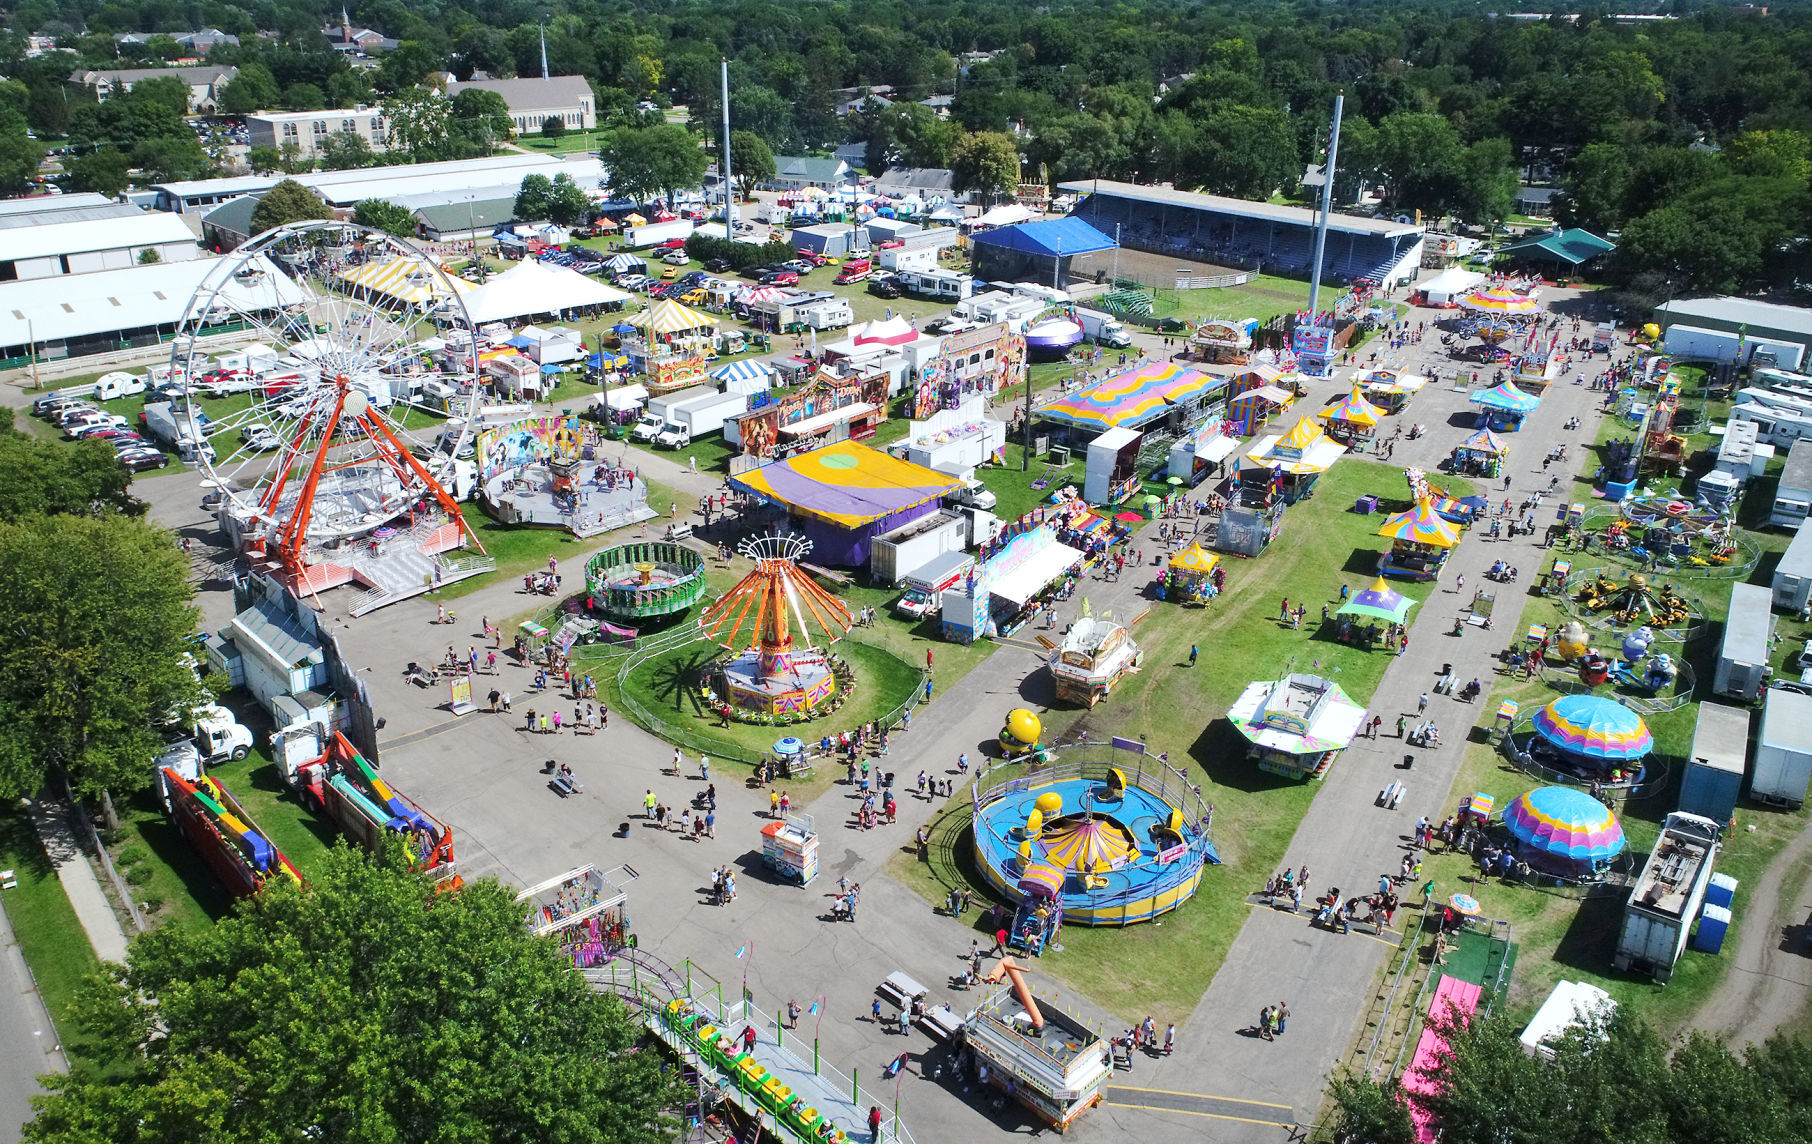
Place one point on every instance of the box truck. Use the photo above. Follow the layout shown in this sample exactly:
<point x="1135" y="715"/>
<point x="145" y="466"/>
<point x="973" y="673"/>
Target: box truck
<point x="1783" y="751"/>
<point x="1665" y="901"/>
<point x="707" y="412"/>
<point x="649" y="234"/>
<point x="1743" y="656"/>
<point x="1103" y="329"/>
<point x="1714" y="772"/>
<point x="926" y="584"/>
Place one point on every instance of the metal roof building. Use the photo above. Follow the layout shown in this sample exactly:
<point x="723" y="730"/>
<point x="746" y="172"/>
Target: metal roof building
<point x="1765" y="321"/>
<point x="454" y="181"/>
<point x="88" y="237"/>
<point x="77" y="314"/>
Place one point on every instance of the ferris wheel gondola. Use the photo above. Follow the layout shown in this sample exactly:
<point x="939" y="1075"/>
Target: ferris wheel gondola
<point x="355" y="412"/>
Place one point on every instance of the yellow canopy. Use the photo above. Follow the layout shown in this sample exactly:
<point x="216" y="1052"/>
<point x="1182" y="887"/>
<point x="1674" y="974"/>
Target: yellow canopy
<point x="669" y="317"/>
<point x="635" y="220"/>
<point x="1303" y="436"/>
<point x="409" y="280"/>
<point x="1354" y="409"/>
<point x="1422" y="525"/>
<point x="1195" y="559"/>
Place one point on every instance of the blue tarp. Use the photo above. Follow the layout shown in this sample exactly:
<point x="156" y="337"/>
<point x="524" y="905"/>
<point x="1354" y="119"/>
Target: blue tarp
<point x="1066" y="236"/>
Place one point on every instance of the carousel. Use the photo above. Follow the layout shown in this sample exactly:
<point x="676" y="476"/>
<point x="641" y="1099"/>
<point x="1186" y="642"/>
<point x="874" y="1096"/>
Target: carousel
<point x="1563" y="831"/>
<point x="1421" y="540"/>
<point x="771" y="674"/>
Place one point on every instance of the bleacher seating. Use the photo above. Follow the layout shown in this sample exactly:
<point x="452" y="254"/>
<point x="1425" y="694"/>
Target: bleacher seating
<point x="1275" y="248"/>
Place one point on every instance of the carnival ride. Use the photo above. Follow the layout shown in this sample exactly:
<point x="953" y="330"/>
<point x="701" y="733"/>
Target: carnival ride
<point x="647" y="580"/>
<point x="345" y="376"/>
<point x="1020" y="734"/>
<point x="224" y="832"/>
<point x="341" y="784"/>
<point x="1095" y="655"/>
<point x="1634" y="601"/>
<point x="1131" y="849"/>
<point x="768" y="674"/>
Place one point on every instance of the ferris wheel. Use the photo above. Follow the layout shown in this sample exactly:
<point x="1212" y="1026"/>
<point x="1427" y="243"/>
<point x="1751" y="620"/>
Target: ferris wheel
<point x="351" y="406"/>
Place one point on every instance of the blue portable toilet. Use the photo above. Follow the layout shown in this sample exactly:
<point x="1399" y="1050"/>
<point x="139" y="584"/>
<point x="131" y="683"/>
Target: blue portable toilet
<point x="1721" y="891"/>
<point x="1713" y="924"/>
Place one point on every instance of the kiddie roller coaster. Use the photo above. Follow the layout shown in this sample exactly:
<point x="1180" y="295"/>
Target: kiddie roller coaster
<point x="241" y="855"/>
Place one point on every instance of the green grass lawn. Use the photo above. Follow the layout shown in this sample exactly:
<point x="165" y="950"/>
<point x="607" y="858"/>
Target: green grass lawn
<point x="570" y="141"/>
<point x="51" y="937"/>
<point x="1164" y="969"/>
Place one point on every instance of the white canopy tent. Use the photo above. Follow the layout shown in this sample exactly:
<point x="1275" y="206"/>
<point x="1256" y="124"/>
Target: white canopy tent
<point x="537" y="288"/>
<point x="1449" y="286"/>
<point x="1007" y="214"/>
<point x="1025" y="581"/>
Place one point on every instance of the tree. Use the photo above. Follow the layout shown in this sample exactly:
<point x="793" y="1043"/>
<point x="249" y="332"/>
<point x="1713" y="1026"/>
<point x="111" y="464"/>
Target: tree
<point x="418" y="123"/>
<point x="389" y="217"/>
<point x="254" y="88"/>
<point x="553" y="127"/>
<point x="304" y="97"/>
<point x="482" y="118"/>
<point x="567" y="204"/>
<point x="287" y="202"/>
<point x="751" y="161"/>
<point x="1419" y="158"/>
<point x="533" y="198"/>
<point x="646" y="161"/>
<point x="149" y="256"/>
<point x="1487" y="185"/>
<point x="364" y="1007"/>
<point x="98" y="613"/>
<point x="986" y="162"/>
<point x="345" y="151"/>
<point x="406" y="66"/>
<point x="19" y="158"/>
<point x="263" y="159"/>
<point x="1770" y="154"/>
<point x="43" y="477"/>
<point x="105" y="172"/>
<point x="169" y="159"/>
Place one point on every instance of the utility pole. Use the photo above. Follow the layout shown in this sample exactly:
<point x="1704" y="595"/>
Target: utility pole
<point x="1327" y="206"/>
<point x="729" y="194"/>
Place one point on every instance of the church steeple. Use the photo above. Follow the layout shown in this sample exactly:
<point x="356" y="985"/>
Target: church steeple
<point x="544" y="74"/>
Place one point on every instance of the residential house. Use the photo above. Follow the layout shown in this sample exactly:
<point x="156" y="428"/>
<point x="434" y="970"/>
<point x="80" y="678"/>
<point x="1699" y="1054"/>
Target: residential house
<point x="794" y="173"/>
<point x="926" y="183"/>
<point x="204" y="82"/>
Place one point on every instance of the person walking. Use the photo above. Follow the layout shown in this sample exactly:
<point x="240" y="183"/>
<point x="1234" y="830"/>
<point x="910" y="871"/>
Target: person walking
<point x="1193" y="652"/>
<point x="1283" y="1015"/>
<point x="648" y="801"/>
<point x="704" y="768"/>
<point x="1170" y="1036"/>
<point x="1402" y="726"/>
<point x="1265" y="1017"/>
<point x="1422" y="703"/>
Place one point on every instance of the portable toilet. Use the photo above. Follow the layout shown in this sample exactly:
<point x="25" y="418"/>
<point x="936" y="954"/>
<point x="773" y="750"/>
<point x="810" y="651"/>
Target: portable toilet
<point x="1714" y="923"/>
<point x="1721" y="891"/>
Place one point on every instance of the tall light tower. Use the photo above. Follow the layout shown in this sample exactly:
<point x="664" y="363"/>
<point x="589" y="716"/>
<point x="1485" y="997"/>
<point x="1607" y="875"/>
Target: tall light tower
<point x="729" y="194"/>
<point x="1327" y="206"/>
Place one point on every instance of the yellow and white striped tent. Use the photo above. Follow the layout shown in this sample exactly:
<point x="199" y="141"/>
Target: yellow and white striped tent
<point x="409" y="280"/>
<point x="669" y="317"/>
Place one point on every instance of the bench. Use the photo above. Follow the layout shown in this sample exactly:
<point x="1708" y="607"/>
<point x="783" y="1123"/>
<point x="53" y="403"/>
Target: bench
<point x="940" y="1023"/>
<point x="679" y="531"/>
<point x="900" y="988"/>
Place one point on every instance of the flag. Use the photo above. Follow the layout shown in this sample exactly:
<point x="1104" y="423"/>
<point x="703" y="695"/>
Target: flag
<point x="814" y="1009"/>
<point x="742" y="949"/>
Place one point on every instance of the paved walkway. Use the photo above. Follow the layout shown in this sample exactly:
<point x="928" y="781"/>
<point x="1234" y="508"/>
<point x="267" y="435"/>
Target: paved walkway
<point x="28" y="1042"/>
<point x="92" y="909"/>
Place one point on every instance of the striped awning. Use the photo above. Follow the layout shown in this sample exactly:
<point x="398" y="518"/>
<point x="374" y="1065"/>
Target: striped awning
<point x="408" y="280"/>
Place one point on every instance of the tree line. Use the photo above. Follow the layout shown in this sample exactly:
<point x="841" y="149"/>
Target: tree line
<point x="1447" y="108"/>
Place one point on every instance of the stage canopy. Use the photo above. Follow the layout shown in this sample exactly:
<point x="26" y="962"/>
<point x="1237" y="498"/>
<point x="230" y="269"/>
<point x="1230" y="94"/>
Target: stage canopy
<point x="1132" y="398"/>
<point x="845" y="484"/>
<point x="532" y="287"/>
<point x="1379" y="602"/>
<point x="1572" y="247"/>
<point x="1304" y="451"/>
<point x="1506" y="397"/>
<point x="1061" y="237"/>
<point x="668" y="317"/>
<point x="406" y="280"/>
<point x="1485" y="441"/>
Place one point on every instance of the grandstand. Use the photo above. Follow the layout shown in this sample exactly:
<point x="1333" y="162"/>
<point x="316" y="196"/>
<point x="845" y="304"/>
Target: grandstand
<point x="1248" y="235"/>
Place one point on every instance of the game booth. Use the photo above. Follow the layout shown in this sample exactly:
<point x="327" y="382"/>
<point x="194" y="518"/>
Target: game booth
<point x="1192" y="576"/>
<point x="1356" y="622"/>
<point x="830" y="405"/>
<point x="1352" y="420"/>
<point x="1420" y="542"/>
<point x="842" y="496"/>
<point x="1093" y="657"/>
<point x="1480" y="455"/>
<point x="539" y="471"/>
<point x="1296" y="726"/>
<point x="1314" y="341"/>
<point x="1503" y="407"/>
<point x="1201" y="453"/>
<point x="1002" y="593"/>
<point x="954" y="440"/>
<point x="1388" y="387"/>
<point x="789" y="847"/>
<point x="1136" y="397"/>
<point x="1290" y="465"/>
<point x="1224" y="341"/>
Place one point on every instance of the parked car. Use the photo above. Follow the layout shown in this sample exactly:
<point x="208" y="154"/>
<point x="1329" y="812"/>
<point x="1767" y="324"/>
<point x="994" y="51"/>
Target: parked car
<point x="718" y="265"/>
<point x="259" y="437"/>
<point x="99" y="429"/>
<point x="783" y="277"/>
<point x="883" y="288"/>
<point x="850" y="274"/>
<point x="670" y="244"/>
<point x="669" y="273"/>
<point x="799" y="264"/>
<point x="139" y="460"/>
<point x="128" y="441"/>
<point x="677" y="258"/>
<point x="812" y="257"/>
<point x="75" y="427"/>
<point x="693" y="297"/>
<point x="756" y="272"/>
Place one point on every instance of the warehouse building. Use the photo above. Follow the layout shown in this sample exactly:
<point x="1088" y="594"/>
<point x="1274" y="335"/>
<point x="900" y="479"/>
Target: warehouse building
<point x="51" y="236"/>
<point x="455" y="181"/>
<point x="77" y="314"/>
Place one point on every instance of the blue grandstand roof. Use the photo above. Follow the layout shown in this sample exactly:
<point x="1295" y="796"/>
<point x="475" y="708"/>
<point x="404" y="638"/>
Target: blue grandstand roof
<point x="1064" y="236"/>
